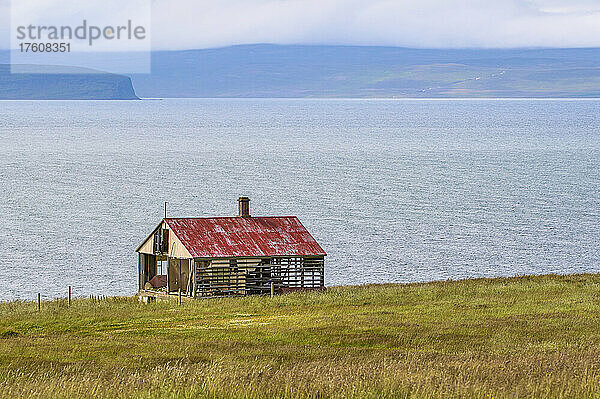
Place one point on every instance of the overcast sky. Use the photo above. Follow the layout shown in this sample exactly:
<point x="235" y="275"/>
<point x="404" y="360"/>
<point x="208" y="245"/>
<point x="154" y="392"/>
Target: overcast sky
<point x="184" y="24"/>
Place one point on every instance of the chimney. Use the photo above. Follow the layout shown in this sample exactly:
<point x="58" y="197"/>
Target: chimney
<point x="244" y="204"/>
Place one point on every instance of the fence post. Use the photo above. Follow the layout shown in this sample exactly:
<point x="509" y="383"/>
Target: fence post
<point x="69" y="295"/>
<point x="179" y="297"/>
<point x="272" y="289"/>
<point x="39" y="302"/>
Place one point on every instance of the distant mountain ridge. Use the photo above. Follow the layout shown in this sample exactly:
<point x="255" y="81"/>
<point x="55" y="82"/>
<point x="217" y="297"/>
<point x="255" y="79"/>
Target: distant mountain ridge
<point x="64" y="84"/>
<point x="265" y="70"/>
<point x="309" y="71"/>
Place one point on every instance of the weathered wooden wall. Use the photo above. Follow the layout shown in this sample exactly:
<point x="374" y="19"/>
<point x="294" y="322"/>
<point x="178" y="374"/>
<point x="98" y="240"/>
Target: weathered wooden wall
<point x="146" y="268"/>
<point x="220" y="277"/>
<point x="175" y="247"/>
<point x="178" y="275"/>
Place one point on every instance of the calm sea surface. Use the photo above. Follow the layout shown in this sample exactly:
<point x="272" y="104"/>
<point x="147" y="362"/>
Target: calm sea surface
<point x="395" y="191"/>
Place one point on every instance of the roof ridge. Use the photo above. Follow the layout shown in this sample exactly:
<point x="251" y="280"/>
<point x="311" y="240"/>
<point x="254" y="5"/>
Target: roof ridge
<point x="232" y="217"/>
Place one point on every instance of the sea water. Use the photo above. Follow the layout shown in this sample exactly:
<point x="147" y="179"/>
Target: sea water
<point x="393" y="190"/>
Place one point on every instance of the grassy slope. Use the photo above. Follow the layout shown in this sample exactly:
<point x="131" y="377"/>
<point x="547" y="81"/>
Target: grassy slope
<point x="519" y="337"/>
<point x="262" y="70"/>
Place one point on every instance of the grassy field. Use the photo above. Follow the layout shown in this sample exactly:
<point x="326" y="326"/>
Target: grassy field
<point x="485" y="338"/>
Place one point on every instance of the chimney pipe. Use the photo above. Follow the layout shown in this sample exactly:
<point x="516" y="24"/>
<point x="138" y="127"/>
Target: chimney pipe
<point x="244" y="205"/>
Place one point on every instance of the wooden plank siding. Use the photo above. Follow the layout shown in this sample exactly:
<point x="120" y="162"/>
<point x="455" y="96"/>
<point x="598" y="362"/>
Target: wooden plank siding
<point x="230" y="276"/>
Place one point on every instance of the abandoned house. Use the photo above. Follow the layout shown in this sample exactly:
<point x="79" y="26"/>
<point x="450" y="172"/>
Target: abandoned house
<point x="220" y="256"/>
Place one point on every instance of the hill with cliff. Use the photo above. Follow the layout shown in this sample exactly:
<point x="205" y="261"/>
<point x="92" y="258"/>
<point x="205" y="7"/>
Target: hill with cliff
<point x="64" y="84"/>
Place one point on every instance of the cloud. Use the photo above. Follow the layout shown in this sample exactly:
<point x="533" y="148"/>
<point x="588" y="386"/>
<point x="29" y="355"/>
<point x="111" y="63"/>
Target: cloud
<point x="411" y="23"/>
<point x="186" y="24"/>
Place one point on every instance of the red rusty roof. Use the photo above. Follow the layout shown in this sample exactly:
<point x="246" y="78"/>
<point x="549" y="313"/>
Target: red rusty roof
<point x="226" y="237"/>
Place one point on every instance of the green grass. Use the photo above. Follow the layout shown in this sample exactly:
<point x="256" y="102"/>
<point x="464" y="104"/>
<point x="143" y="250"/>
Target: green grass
<point x="501" y="338"/>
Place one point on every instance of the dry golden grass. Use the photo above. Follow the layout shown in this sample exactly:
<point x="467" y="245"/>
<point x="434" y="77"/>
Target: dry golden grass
<point x="486" y="338"/>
